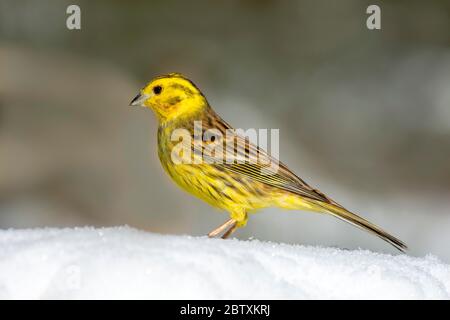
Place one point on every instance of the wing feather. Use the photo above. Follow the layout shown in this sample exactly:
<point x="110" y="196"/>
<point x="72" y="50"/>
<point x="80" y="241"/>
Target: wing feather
<point x="254" y="168"/>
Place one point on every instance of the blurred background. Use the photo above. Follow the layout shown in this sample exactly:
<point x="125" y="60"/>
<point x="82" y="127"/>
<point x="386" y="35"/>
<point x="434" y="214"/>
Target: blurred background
<point x="364" y="115"/>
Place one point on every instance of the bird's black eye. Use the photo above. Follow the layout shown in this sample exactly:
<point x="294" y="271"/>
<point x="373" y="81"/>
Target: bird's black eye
<point x="157" y="89"/>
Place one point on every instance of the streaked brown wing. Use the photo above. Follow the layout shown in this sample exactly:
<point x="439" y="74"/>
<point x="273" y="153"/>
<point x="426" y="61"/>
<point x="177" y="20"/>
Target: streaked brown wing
<point x="283" y="178"/>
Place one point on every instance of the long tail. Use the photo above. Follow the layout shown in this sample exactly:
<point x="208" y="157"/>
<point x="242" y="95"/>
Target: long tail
<point x="362" y="223"/>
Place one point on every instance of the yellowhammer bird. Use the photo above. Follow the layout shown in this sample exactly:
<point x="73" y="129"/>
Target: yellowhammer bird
<point x="235" y="186"/>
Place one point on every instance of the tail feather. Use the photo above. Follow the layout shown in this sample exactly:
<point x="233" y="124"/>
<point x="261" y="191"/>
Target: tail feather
<point x="347" y="216"/>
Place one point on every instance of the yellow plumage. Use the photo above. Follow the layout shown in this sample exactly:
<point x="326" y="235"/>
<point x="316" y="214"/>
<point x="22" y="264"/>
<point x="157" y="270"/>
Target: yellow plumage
<point x="239" y="188"/>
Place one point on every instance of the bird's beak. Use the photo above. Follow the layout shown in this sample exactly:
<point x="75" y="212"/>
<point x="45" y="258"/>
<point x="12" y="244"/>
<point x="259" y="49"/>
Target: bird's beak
<point x="139" y="100"/>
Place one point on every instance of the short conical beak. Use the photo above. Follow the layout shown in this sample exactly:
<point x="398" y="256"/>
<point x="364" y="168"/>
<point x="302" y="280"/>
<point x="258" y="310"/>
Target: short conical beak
<point x="139" y="100"/>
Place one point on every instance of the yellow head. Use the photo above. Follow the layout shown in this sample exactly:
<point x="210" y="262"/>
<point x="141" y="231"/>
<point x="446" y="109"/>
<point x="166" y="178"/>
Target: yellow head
<point x="171" y="96"/>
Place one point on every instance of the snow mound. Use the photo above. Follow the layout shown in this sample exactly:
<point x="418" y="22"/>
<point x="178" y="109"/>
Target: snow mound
<point x="126" y="263"/>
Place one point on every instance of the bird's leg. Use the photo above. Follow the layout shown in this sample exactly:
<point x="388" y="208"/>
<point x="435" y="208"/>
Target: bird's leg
<point x="230" y="231"/>
<point x="222" y="227"/>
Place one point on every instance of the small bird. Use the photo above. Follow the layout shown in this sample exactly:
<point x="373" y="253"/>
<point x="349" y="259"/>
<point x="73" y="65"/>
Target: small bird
<point x="235" y="186"/>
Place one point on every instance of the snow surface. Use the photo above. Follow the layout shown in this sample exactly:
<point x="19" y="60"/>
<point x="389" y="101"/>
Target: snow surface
<point x="123" y="262"/>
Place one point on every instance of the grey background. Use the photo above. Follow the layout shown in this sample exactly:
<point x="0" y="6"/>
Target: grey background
<point x="363" y="115"/>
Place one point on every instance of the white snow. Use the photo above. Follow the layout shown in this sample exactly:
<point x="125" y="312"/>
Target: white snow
<point x="123" y="262"/>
